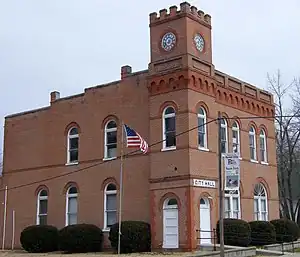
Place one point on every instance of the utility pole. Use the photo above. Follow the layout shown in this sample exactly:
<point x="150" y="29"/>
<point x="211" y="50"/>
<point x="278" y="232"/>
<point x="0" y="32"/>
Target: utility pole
<point x="221" y="211"/>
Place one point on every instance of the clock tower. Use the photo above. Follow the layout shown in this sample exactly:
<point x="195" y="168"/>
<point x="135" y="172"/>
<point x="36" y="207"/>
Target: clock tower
<point x="180" y="38"/>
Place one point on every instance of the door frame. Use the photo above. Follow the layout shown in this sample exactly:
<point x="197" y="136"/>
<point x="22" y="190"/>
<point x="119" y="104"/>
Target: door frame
<point x="207" y="206"/>
<point x="167" y="206"/>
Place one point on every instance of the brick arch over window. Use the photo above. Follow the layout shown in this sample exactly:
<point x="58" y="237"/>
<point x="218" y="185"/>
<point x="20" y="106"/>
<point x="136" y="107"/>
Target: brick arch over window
<point x="233" y="120"/>
<point x="203" y="105"/>
<point x="261" y="180"/>
<point x="166" y="104"/>
<point x="207" y="196"/>
<point x="72" y="125"/>
<point x="262" y="126"/>
<point x="252" y="124"/>
<point x="107" y="181"/>
<point x="40" y="188"/>
<point x="108" y="118"/>
<point x="169" y="195"/>
<point x="70" y="184"/>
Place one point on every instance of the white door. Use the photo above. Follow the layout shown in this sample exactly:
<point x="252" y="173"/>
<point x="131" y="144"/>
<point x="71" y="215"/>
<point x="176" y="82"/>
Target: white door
<point x="170" y="224"/>
<point x="205" y="230"/>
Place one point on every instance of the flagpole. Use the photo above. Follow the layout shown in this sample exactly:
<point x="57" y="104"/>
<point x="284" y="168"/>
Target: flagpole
<point x="121" y="189"/>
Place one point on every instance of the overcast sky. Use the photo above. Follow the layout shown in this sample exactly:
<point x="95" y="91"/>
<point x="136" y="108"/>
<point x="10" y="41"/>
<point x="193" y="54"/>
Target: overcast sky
<point x="68" y="45"/>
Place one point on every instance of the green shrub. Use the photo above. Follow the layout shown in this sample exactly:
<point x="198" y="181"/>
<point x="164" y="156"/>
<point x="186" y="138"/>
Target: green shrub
<point x="80" y="238"/>
<point x="262" y="233"/>
<point x="286" y="230"/>
<point x="236" y="232"/>
<point x="39" y="238"/>
<point x="135" y="236"/>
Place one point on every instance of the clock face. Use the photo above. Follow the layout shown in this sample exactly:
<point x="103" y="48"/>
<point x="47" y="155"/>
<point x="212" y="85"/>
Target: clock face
<point x="199" y="42"/>
<point x="168" y="41"/>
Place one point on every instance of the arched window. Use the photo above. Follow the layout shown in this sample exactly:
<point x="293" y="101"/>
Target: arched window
<point x="224" y="140"/>
<point x="232" y="204"/>
<point x="110" y="148"/>
<point x="71" y="206"/>
<point x="252" y="144"/>
<point x="260" y="203"/>
<point x="263" y="146"/>
<point x="235" y="138"/>
<point x="73" y="141"/>
<point x="202" y="134"/>
<point x="42" y="207"/>
<point x="110" y="205"/>
<point x="169" y="128"/>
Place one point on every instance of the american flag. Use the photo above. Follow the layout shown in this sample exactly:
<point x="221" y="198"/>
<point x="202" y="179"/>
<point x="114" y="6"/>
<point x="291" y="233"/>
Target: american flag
<point x="135" y="140"/>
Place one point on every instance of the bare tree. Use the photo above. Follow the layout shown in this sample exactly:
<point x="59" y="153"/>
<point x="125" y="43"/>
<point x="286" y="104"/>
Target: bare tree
<point x="287" y="142"/>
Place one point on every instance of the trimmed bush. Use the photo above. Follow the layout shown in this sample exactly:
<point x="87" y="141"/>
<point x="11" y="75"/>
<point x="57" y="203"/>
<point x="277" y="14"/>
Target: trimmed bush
<point x="262" y="233"/>
<point x="135" y="236"/>
<point x="80" y="238"/>
<point x="286" y="230"/>
<point x="39" y="238"/>
<point x="237" y="232"/>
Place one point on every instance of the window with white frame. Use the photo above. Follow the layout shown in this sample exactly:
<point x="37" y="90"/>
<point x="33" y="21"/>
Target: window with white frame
<point x="73" y="140"/>
<point x="235" y="138"/>
<point x="169" y="128"/>
<point x="202" y="134"/>
<point x="71" y="206"/>
<point x="260" y="203"/>
<point x="263" y="146"/>
<point x="110" y="205"/>
<point x="232" y="204"/>
<point x="42" y="207"/>
<point x="224" y="141"/>
<point x="252" y="143"/>
<point x="110" y="150"/>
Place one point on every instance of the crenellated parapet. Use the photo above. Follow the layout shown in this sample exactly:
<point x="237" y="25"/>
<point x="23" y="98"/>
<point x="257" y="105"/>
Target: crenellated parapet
<point x="184" y="9"/>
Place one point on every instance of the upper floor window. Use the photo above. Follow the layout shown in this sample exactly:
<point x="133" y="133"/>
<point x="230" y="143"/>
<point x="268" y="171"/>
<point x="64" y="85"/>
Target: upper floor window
<point x="263" y="146"/>
<point x="169" y="128"/>
<point x="202" y="134"/>
<point x="42" y="207"/>
<point x="260" y="203"/>
<point x="110" y="149"/>
<point x="110" y="205"/>
<point x="224" y="140"/>
<point x="232" y="204"/>
<point x="252" y="143"/>
<point x="71" y="206"/>
<point x="235" y="138"/>
<point x="73" y="141"/>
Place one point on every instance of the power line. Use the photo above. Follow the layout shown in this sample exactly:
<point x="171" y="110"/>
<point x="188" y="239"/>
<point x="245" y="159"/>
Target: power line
<point x="138" y="150"/>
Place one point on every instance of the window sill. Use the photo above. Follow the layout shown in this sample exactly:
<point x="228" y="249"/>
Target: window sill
<point x="71" y="163"/>
<point x="109" y="158"/>
<point x="264" y="163"/>
<point x="172" y="148"/>
<point x="254" y="161"/>
<point x="203" y="149"/>
<point x="106" y="229"/>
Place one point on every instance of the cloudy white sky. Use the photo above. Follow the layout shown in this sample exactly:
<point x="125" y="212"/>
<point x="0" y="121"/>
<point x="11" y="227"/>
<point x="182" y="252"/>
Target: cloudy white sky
<point x="67" y="45"/>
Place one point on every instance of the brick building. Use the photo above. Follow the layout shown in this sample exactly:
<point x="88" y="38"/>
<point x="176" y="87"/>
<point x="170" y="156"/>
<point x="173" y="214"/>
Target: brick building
<point x="174" y="186"/>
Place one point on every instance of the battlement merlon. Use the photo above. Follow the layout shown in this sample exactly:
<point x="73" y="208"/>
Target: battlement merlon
<point x="185" y="9"/>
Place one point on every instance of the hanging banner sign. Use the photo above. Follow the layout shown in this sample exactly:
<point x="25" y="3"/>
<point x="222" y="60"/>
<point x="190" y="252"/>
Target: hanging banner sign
<point x="232" y="171"/>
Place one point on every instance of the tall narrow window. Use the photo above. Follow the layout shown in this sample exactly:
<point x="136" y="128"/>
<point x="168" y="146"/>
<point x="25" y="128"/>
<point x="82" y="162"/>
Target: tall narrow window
<point x="202" y="135"/>
<point x="73" y="140"/>
<point x="260" y="203"/>
<point x="263" y="146"/>
<point x="235" y="138"/>
<point x="224" y="141"/>
<point x="232" y="204"/>
<point x="252" y="143"/>
<point x="42" y="207"/>
<point x="71" y="211"/>
<point x="110" y="150"/>
<point x="169" y="128"/>
<point x="110" y="205"/>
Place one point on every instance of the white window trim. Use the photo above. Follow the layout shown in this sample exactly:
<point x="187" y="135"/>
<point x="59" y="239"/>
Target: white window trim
<point x="237" y="129"/>
<point x="260" y="198"/>
<point x="263" y="136"/>
<point x="68" y="147"/>
<point x="252" y="133"/>
<point x="106" y="130"/>
<point x="68" y="196"/>
<point x="231" y="196"/>
<point x="110" y="192"/>
<point x="164" y="116"/>
<point x="39" y="198"/>
<point x="204" y="117"/>
<point x="226" y="134"/>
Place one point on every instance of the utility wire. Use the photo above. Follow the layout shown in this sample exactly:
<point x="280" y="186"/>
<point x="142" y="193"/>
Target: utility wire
<point x="138" y="150"/>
